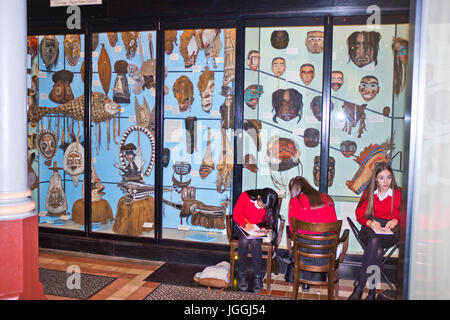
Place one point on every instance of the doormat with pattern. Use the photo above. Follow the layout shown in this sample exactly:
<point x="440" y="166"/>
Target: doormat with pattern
<point x="180" y="274"/>
<point x="174" y="292"/>
<point x="63" y="284"/>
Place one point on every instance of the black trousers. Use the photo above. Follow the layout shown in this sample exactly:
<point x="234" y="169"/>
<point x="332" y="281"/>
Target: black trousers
<point x="373" y="252"/>
<point x="255" y="249"/>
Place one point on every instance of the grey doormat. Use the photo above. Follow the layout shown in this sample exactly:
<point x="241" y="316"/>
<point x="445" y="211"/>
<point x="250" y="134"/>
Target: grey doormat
<point x="174" y="292"/>
<point x="63" y="284"/>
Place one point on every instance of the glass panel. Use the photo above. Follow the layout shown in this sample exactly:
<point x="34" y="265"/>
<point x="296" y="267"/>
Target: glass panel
<point x="56" y="128"/>
<point x="282" y="103"/>
<point x="198" y="133"/>
<point x="369" y="110"/>
<point x="123" y="131"/>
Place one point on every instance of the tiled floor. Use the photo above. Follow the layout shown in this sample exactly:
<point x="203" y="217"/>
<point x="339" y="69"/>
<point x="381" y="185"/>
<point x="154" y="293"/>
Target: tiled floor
<point x="130" y="273"/>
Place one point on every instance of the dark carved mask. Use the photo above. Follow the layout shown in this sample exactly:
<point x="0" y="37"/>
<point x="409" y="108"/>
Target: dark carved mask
<point x="348" y="148"/>
<point x="316" y="170"/>
<point x="311" y="137"/>
<point x="288" y="104"/>
<point x="316" y="107"/>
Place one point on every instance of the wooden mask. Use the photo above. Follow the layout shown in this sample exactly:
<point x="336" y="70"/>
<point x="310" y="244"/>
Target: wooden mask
<point x="130" y="43"/>
<point x="73" y="161"/>
<point x="282" y="154"/>
<point x="311" y="137"/>
<point x="183" y="89"/>
<point x="348" y="148"/>
<point x="49" y="49"/>
<point x="279" y="39"/>
<point x="62" y="92"/>
<point x="72" y="48"/>
<point x="47" y="143"/>
<point x="287" y="104"/>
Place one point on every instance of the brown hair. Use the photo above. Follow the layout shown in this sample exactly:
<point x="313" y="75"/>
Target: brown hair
<point x="299" y="185"/>
<point x="379" y="166"/>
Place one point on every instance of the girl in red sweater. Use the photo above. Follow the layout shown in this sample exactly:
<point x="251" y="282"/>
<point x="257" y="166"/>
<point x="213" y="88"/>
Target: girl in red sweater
<point x="379" y="207"/>
<point x="308" y="204"/>
<point x="254" y="207"/>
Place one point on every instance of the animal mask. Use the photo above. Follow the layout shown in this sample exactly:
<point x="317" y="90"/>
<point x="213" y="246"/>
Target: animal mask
<point x="206" y="87"/>
<point x="363" y="47"/>
<point x="279" y="39"/>
<point x="367" y="158"/>
<point x="183" y="90"/>
<point x="348" y="148"/>
<point x="209" y="41"/>
<point x="49" y="48"/>
<point x="189" y="48"/>
<point x="72" y="48"/>
<point x="314" y="41"/>
<point x="47" y="143"/>
<point x="130" y="43"/>
<point x="121" y="92"/>
<point x="61" y="92"/>
<point x="287" y="104"/>
<point x="252" y="94"/>
<point x="311" y="137"/>
<point x="369" y="88"/>
<point x="353" y="114"/>
<point x="316" y="107"/>
<point x="73" y="161"/>
<point x="282" y="154"/>
<point x="144" y="117"/>
<point x="316" y="170"/>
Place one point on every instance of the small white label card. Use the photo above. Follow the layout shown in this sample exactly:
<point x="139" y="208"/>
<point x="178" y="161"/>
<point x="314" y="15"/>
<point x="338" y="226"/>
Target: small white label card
<point x="292" y="51"/>
<point x="196" y="68"/>
<point x="147" y="225"/>
<point x="118" y="49"/>
<point x="292" y="76"/>
<point x="183" y="227"/>
<point x="42" y="213"/>
<point x="173" y="57"/>
<point x="64" y="217"/>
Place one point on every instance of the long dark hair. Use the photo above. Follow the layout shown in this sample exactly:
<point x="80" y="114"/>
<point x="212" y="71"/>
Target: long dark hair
<point x="373" y="185"/>
<point x="317" y="199"/>
<point x="269" y="199"/>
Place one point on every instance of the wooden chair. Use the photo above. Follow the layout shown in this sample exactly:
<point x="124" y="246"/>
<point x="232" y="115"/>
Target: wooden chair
<point x="267" y="249"/>
<point x="332" y="266"/>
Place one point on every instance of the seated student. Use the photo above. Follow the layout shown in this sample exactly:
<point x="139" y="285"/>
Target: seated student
<point x="254" y="207"/>
<point x="308" y="204"/>
<point x="379" y="207"/>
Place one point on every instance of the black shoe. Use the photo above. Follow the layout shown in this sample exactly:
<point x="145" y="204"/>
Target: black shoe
<point x="356" y="294"/>
<point x="372" y="294"/>
<point x="306" y="287"/>
<point x="257" y="284"/>
<point x="242" y="281"/>
<point x="289" y="275"/>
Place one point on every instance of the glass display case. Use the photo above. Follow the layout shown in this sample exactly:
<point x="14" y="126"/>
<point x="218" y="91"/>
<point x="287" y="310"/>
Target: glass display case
<point x="198" y="133"/>
<point x="283" y="67"/>
<point x="367" y="123"/>
<point x="56" y="127"/>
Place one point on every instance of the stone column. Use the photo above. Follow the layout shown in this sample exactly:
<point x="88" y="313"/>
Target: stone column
<point x="19" y="264"/>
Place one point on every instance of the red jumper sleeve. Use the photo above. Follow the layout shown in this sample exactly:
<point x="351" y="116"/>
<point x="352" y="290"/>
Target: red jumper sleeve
<point x="397" y="194"/>
<point x="239" y="210"/>
<point x="361" y="209"/>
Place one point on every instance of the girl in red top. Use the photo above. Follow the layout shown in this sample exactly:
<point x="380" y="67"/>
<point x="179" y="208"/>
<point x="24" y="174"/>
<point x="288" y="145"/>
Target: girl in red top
<point x="254" y="207"/>
<point x="308" y="204"/>
<point x="379" y="207"/>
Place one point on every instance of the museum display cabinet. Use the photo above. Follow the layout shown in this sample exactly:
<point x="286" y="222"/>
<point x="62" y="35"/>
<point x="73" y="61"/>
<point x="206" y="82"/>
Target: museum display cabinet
<point x="144" y="134"/>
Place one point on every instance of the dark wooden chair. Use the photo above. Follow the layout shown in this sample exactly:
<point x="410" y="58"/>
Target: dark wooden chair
<point x="333" y="262"/>
<point x="268" y="250"/>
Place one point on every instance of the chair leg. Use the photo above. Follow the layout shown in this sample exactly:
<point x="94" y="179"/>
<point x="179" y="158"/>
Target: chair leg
<point x="295" y="283"/>
<point x="330" y="285"/>
<point x="269" y="268"/>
